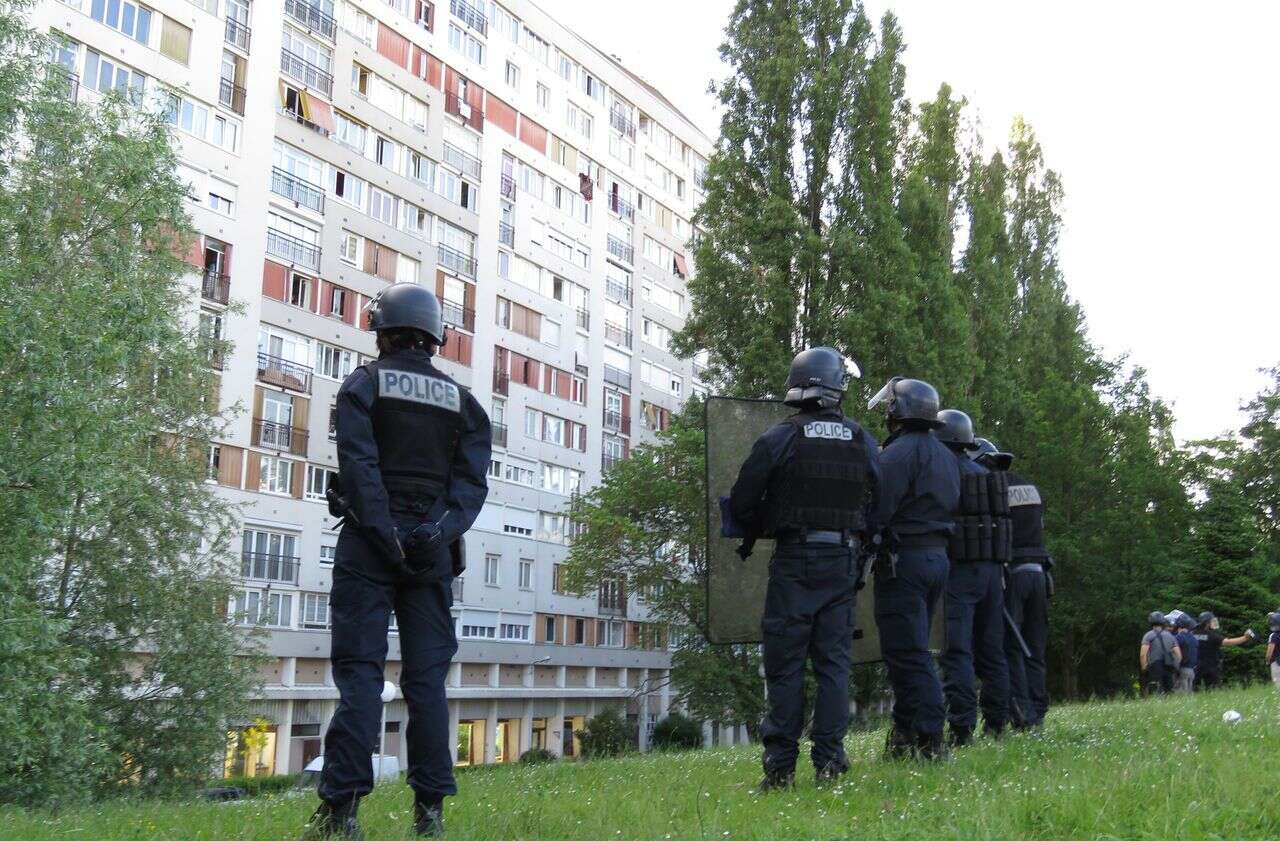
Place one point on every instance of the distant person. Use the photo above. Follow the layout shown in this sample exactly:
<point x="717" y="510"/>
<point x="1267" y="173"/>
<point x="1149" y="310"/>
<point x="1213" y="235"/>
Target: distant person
<point x="1190" y="648"/>
<point x="1212" y="640"/>
<point x="1159" y="656"/>
<point x="1273" y="647"/>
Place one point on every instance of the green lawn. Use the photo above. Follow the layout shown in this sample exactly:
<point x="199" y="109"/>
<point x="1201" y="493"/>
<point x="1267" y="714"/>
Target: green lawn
<point x="1162" y="770"/>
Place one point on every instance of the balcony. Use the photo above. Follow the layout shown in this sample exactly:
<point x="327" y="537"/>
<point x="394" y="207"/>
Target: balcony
<point x="266" y="566"/>
<point x="303" y="121"/>
<point x="67" y="82"/>
<point x="506" y="234"/>
<point x="617" y="376"/>
<point x="301" y="193"/>
<point x="617" y="422"/>
<point x="452" y="258"/>
<point x="501" y="383"/>
<point x="231" y="95"/>
<point x="619" y="292"/>
<point x="458" y="315"/>
<point x="311" y="17"/>
<point x="607" y="461"/>
<point x="215" y="287"/>
<point x="471" y="115"/>
<point x="617" y="334"/>
<point x="584" y="319"/>
<point x="281" y="372"/>
<point x="622" y="207"/>
<point x="278" y="436"/>
<point x="612" y="599"/>
<point x="237" y="35"/>
<point x="499" y="434"/>
<point x="623" y="251"/>
<point x="507" y="187"/>
<point x="622" y="123"/>
<point x="469" y="15"/>
<point x="466" y="164"/>
<point x="280" y="244"/>
<point x="305" y="72"/>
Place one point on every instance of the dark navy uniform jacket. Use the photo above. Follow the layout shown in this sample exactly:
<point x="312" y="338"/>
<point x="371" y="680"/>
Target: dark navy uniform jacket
<point x="920" y="485"/>
<point x="773" y="450"/>
<point x="360" y="468"/>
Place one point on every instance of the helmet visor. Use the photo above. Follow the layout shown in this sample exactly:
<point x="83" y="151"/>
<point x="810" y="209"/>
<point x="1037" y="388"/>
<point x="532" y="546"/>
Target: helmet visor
<point x="885" y="395"/>
<point x="851" y="371"/>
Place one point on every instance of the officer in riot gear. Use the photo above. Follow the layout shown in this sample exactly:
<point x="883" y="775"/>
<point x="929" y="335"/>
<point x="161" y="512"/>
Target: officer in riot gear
<point x="1159" y="655"/>
<point x="1211" y="640"/>
<point x="1028" y="588"/>
<point x="413" y="451"/>
<point x="809" y="484"/>
<point x="973" y="606"/>
<point x="920" y="493"/>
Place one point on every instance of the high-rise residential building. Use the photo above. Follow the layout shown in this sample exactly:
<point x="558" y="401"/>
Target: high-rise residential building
<point x="543" y="191"/>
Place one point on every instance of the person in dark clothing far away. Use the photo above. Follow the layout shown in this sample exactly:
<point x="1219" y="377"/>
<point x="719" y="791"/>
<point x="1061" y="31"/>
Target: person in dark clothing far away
<point x="1212" y="641"/>
<point x="1158" y="656"/>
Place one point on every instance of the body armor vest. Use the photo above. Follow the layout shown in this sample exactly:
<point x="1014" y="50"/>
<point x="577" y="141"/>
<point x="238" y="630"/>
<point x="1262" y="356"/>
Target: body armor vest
<point x="417" y="420"/>
<point x="1027" y="511"/>
<point x="983" y="530"/>
<point x="823" y="486"/>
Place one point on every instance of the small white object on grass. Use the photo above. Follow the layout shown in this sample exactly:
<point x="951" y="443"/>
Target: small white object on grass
<point x="1231" y="717"/>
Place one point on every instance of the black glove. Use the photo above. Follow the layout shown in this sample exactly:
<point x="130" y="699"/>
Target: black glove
<point x="745" y="549"/>
<point x="420" y="546"/>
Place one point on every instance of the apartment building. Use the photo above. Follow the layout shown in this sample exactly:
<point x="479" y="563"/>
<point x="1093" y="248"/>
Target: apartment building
<point x="543" y="190"/>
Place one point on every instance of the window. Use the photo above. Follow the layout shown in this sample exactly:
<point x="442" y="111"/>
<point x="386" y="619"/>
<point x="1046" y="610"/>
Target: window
<point x="420" y="168"/>
<point x="128" y="17"/>
<point x="385" y="152"/>
<point x="104" y="75"/>
<point x="591" y="86"/>
<point x="362" y="26"/>
<point x="333" y="362"/>
<point x="525" y="581"/>
<point x="579" y="120"/>
<point x="479" y="632"/>
<point x="318" y="480"/>
<point x="213" y="461"/>
<point x="552" y="527"/>
<point x="522" y="473"/>
<point x="328" y="554"/>
<point x="348" y="189"/>
<point x="251" y="607"/>
<point x="492" y="565"/>
<point x="657" y="335"/>
<point x="338" y="302"/>
<point x="538" y="47"/>
<point x="349" y="248"/>
<point x="503" y="23"/>
<point x="406" y="269"/>
<point x="566" y="67"/>
<point x="579" y="632"/>
<point x="663" y="297"/>
<point x="543" y="94"/>
<point x="515" y="632"/>
<point x="471" y="47"/>
<point x="276" y="475"/>
<point x="349" y="132"/>
<point x="512" y="75"/>
<point x="557" y="579"/>
<point x="383" y="206"/>
<point x="220" y="203"/>
<point x="315" y="610"/>
<point x="549" y="628"/>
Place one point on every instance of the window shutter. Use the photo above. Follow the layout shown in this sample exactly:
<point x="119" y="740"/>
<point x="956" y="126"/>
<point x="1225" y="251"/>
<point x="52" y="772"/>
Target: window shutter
<point x="387" y="259"/>
<point x="196" y="255"/>
<point x="440" y="284"/>
<point x="175" y="40"/>
<point x="229" y="466"/>
<point x="299" y="477"/>
<point x="393" y="46"/>
<point x="253" y="473"/>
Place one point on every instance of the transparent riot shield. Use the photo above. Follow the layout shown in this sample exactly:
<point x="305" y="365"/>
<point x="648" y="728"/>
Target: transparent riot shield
<point x="736" y="588"/>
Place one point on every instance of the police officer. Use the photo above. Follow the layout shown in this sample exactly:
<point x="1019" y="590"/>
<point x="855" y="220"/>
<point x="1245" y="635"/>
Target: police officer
<point x="919" y="496"/>
<point x="413" y="450"/>
<point x="1028" y="587"/>
<point x="1159" y="655"/>
<point x="973" y="607"/>
<point x="1190" y="648"/>
<point x="1211" y="640"/>
<point x="808" y="484"/>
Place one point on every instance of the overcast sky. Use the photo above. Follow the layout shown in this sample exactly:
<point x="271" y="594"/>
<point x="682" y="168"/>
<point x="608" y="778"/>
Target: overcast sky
<point x="1161" y="118"/>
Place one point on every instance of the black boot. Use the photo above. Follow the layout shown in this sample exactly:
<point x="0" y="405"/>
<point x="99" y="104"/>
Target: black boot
<point x="993" y="731"/>
<point x="428" y="815"/>
<point x="777" y="781"/>
<point x="932" y="748"/>
<point x="333" y="820"/>
<point x="898" y="745"/>
<point x="960" y="736"/>
<point x="831" y="772"/>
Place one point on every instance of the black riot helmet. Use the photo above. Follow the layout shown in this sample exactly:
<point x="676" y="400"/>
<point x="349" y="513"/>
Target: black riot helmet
<point x="407" y="305"/>
<point x="1273" y="621"/>
<point x="819" y="374"/>
<point x="1155" y="618"/>
<point x="1186" y="622"/>
<point x="956" y="429"/>
<point x="913" y="402"/>
<point x="988" y="454"/>
<point x="1205" y="619"/>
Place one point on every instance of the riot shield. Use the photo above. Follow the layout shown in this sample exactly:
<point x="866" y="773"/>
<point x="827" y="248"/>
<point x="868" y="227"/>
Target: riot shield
<point x="736" y="588"/>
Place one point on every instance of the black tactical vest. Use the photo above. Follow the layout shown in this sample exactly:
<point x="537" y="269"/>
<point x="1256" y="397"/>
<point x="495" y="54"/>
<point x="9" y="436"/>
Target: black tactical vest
<point x="1027" y="511"/>
<point x="983" y="531"/>
<point x="823" y="487"/>
<point x="417" y="420"/>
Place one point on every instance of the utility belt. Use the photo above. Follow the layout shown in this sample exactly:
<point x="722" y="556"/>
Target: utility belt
<point x="1037" y="552"/>
<point x="981" y="537"/>
<point x="1036" y="567"/>
<point x="825" y="537"/>
<point x="924" y="540"/>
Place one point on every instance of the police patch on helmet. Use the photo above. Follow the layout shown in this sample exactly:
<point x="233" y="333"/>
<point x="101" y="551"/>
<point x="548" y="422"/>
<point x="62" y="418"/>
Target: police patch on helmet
<point x="419" y="388"/>
<point x="1023" y="495"/>
<point x="828" y="429"/>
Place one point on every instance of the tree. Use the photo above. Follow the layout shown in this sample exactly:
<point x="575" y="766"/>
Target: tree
<point x="112" y="547"/>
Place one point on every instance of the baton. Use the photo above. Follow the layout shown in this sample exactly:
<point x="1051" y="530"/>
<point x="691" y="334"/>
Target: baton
<point x="1017" y="634"/>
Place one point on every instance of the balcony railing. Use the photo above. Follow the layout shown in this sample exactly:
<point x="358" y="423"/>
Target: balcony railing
<point x="507" y="186"/>
<point x="279" y="436"/>
<point x="506" y="234"/>
<point x="215" y="287"/>
<point x="301" y="120"/>
<point x="458" y="315"/>
<point x="311" y="17"/>
<point x="469" y="15"/>
<point x="612" y="601"/>
<point x="467" y="164"/>
<point x="623" y="251"/>
<point x="265" y="566"/>
<point x="231" y="95"/>
<point x="454" y="259"/>
<point x="614" y="291"/>
<point x="584" y="319"/>
<point x="293" y="249"/>
<point x="237" y="34"/>
<point x="305" y="72"/>
<point x="622" y="207"/>
<point x="617" y="422"/>
<point x="499" y="434"/>
<point x="501" y="383"/>
<point x="617" y="334"/>
<point x="470" y="114"/>
<point x="296" y="190"/>
<point x="617" y="376"/>
<point x="622" y="123"/>
<point x="281" y="372"/>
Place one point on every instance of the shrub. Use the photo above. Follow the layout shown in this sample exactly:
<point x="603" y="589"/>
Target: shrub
<point x="606" y="735"/>
<point x="258" y="786"/>
<point x="537" y="756"/>
<point x="677" y="732"/>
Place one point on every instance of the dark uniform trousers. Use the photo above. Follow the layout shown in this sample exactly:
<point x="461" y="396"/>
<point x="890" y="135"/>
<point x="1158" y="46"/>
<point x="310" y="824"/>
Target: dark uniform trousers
<point x="905" y="604"/>
<point x="974" y="616"/>
<point x="1159" y="678"/>
<point x="360" y="606"/>
<point x="808" y="613"/>
<point x="1028" y="603"/>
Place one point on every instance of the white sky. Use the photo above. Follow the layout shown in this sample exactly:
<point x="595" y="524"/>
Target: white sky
<point x="1161" y="119"/>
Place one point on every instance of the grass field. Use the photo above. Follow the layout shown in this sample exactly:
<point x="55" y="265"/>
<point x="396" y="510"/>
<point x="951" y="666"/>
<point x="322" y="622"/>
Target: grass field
<point x="1163" y="770"/>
